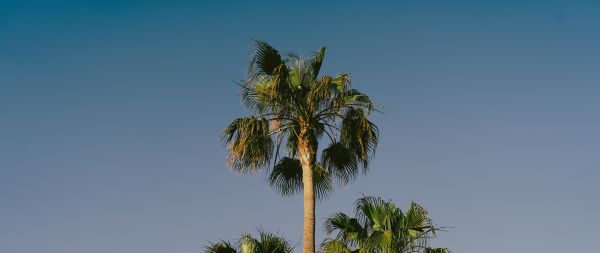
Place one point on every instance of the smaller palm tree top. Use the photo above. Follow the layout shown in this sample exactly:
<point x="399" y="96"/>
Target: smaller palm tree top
<point x="264" y="243"/>
<point x="380" y="227"/>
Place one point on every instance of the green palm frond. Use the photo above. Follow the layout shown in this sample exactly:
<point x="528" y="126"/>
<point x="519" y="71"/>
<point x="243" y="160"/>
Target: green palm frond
<point x="340" y="162"/>
<point x="417" y="221"/>
<point x="248" y="244"/>
<point x="271" y="243"/>
<point x="317" y="61"/>
<point x="292" y="139"/>
<point x="334" y="246"/>
<point x="328" y="95"/>
<point x="220" y="247"/>
<point x="381" y="241"/>
<point x="323" y="185"/>
<point x="359" y="134"/>
<point x="366" y="209"/>
<point x="281" y="87"/>
<point x="347" y="230"/>
<point x="257" y="94"/>
<point x="300" y="72"/>
<point x="264" y="60"/>
<point x="286" y="178"/>
<point x="249" y="143"/>
<point x="358" y="99"/>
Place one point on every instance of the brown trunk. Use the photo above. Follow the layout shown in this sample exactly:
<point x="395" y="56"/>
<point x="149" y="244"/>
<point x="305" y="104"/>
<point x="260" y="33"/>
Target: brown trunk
<point x="306" y="150"/>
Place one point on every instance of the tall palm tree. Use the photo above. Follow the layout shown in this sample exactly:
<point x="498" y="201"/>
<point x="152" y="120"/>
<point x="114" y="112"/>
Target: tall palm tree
<point x="293" y="108"/>
<point x="265" y="243"/>
<point x="380" y="227"/>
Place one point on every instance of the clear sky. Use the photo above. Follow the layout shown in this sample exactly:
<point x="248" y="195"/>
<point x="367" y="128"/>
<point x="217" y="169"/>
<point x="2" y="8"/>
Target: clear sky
<point x="110" y="114"/>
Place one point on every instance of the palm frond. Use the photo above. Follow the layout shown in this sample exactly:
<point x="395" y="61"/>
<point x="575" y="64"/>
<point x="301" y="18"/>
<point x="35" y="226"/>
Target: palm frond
<point x="334" y="246"/>
<point x="340" y="85"/>
<point x="381" y="241"/>
<point x="265" y="59"/>
<point x="220" y="247"/>
<point x="366" y="209"/>
<point x="256" y="93"/>
<point x="347" y="230"/>
<point x="329" y="94"/>
<point x="359" y="134"/>
<point x="292" y="140"/>
<point x="300" y="72"/>
<point x="249" y="143"/>
<point x="286" y="178"/>
<point x="272" y="243"/>
<point x="358" y="99"/>
<point x="323" y="185"/>
<point x="321" y="93"/>
<point x="340" y="162"/>
<point x="341" y="82"/>
<point x="281" y="87"/>
<point x="248" y="244"/>
<point x="317" y="61"/>
<point x="417" y="221"/>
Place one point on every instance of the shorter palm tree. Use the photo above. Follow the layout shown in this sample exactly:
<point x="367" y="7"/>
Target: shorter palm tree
<point x="380" y="227"/>
<point x="265" y="243"/>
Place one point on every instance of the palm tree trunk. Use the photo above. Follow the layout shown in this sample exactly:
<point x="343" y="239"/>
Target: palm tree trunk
<point x="306" y="152"/>
<point x="309" y="211"/>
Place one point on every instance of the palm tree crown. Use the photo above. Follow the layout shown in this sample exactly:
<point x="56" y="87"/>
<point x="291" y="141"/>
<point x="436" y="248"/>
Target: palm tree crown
<point x="293" y="108"/>
<point x="293" y="105"/>
<point x="380" y="227"/>
<point x="265" y="243"/>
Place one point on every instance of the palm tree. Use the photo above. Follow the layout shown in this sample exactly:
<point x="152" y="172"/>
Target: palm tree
<point x="293" y="105"/>
<point x="380" y="227"/>
<point x="265" y="243"/>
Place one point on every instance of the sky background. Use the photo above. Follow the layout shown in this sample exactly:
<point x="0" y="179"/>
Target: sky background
<point x="110" y="113"/>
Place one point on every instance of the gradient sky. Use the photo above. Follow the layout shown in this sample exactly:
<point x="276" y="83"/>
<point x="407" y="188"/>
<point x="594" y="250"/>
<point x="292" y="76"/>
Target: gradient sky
<point x="110" y="114"/>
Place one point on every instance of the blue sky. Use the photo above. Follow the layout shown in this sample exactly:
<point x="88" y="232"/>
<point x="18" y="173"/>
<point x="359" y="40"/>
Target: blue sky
<point x="110" y="114"/>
